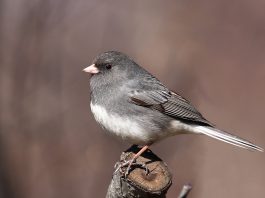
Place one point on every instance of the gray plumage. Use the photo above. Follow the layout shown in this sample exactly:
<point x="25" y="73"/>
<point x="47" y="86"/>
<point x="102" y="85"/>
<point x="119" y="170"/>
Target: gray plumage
<point x="132" y="104"/>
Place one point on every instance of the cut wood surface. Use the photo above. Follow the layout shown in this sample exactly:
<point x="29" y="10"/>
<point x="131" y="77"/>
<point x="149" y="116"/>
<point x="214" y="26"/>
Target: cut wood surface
<point x="148" y="177"/>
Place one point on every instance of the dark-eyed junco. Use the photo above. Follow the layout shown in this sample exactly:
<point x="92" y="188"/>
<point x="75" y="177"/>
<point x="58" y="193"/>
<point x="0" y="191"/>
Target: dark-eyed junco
<point x="132" y="104"/>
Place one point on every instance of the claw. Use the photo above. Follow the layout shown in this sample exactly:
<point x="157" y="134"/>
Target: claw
<point x="129" y="164"/>
<point x="121" y="165"/>
<point x="147" y="171"/>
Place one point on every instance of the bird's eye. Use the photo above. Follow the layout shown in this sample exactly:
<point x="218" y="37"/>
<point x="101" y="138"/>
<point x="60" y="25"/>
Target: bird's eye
<point x="108" y="66"/>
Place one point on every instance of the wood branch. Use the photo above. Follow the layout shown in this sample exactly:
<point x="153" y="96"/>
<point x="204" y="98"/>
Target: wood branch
<point x="185" y="191"/>
<point x="139" y="182"/>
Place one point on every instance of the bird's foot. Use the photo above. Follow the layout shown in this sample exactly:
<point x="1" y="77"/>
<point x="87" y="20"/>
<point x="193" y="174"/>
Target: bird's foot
<point x="129" y="164"/>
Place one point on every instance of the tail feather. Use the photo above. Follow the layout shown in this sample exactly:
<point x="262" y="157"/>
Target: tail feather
<point x="228" y="138"/>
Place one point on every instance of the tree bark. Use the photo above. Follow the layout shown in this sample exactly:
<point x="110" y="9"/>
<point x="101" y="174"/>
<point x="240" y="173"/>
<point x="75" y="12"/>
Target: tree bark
<point x="140" y="183"/>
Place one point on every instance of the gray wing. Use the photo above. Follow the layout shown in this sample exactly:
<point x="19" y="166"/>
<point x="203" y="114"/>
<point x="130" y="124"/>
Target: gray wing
<point x="168" y="103"/>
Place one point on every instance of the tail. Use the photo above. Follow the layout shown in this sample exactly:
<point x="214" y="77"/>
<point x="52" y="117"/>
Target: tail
<point x="228" y="138"/>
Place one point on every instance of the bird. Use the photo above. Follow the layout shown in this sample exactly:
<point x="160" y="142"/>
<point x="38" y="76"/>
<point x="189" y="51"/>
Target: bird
<point x="135" y="106"/>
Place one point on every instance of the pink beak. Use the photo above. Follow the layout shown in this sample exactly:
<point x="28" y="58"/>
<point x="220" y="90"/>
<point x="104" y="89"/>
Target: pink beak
<point x="91" y="69"/>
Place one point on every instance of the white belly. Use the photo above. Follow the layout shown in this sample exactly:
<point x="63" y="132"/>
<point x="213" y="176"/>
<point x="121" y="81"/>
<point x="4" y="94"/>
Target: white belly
<point x="123" y="127"/>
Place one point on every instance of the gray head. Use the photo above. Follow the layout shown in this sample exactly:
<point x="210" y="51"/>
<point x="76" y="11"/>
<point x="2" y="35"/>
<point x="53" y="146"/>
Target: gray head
<point x="112" y="67"/>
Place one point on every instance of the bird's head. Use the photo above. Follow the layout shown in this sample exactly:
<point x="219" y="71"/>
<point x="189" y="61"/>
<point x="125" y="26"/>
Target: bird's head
<point x="111" y="67"/>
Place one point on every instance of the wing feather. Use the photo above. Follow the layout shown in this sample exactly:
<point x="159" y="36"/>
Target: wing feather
<point x="170" y="104"/>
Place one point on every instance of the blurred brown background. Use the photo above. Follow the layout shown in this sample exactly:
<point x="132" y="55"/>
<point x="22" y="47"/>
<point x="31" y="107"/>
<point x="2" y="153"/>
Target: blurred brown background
<point x="211" y="52"/>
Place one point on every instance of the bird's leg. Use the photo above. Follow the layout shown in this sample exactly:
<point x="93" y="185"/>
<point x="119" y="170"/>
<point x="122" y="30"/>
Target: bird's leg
<point x="131" y="162"/>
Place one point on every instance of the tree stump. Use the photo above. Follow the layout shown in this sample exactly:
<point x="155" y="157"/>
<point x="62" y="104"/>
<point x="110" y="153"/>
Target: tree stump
<point x="139" y="182"/>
